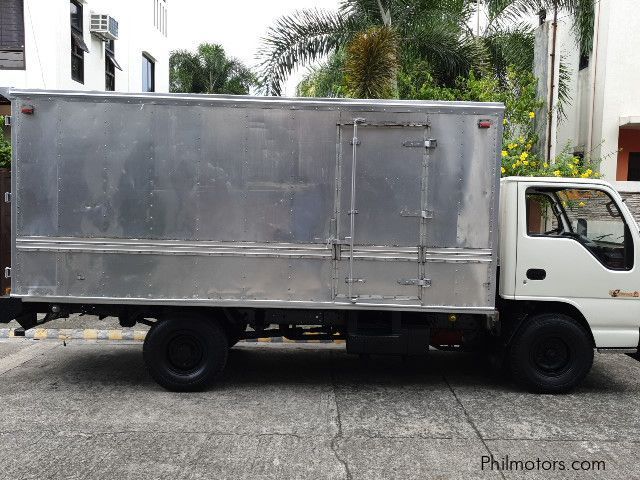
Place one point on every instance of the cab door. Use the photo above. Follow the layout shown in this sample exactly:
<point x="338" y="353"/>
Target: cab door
<point x="577" y="244"/>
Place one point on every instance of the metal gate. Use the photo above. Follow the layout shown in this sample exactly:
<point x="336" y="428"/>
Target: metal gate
<point x="382" y="211"/>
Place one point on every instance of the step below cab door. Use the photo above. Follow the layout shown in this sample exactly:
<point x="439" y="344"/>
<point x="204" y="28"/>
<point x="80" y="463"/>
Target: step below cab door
<point x="577" y="244"/>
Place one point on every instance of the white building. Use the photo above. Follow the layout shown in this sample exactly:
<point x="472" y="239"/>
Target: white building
<point x="52" y="44"/>
<point x="603" y="116"/>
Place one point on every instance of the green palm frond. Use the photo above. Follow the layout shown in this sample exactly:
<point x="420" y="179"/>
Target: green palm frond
<point x="299" y="39"/>
<point x="371" y="12"/>
<point x="372" y="63"/>
<point x="208" y="70"/>
<point x="325" y="79"/>
<point x="509" y="46"/>
<point x="583" y="24"/>
<point x="582" y="13"/>
<point x="564" y="89"/>
<point x="434" y="31"/>
<point x="450" y="54"/>
<point x="182" y="71"/>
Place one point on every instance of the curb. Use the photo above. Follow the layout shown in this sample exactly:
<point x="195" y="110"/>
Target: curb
<point x="76" y="334"/>
<point x="122" y="334"/>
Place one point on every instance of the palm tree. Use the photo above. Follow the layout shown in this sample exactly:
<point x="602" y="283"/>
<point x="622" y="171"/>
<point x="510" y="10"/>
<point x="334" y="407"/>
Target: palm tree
<point x="209" y="70"/>
<point x="433" y="30"/>
<point x="582" y="13"/>
<point x="372" y="64"/>
<point x="325" y="79"/>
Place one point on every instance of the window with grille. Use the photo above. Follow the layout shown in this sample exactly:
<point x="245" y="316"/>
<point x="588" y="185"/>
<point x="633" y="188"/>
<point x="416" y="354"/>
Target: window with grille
<point x="78" y="47"/>
<point x="110" y="66"/>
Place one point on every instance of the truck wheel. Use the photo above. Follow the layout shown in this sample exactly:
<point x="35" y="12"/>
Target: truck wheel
<point x="185" y="354"/>
<point x="551" y="353"/>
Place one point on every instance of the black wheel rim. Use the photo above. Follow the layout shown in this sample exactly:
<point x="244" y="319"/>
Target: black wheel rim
<point x="185" y="352"/>
<point x="551" y="355"/>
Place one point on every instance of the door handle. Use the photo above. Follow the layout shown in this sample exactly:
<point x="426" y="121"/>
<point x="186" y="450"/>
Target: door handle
<point x="536" y="274"/>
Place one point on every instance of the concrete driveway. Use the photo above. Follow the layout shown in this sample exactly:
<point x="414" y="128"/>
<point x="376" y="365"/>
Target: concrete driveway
<point x="88" y="410"/>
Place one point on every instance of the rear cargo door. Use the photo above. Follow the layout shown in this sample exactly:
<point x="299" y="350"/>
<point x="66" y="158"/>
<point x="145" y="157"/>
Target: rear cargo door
<point x="381" y="210"/>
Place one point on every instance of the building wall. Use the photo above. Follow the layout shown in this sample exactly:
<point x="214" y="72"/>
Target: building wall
<point x="607" y="90"/>
<point x="617" y="77"/>
<point x="48" y="46"/>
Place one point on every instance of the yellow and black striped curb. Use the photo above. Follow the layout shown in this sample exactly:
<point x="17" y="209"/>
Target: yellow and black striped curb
<point x="121" y="334"/>
<point x="75" y="334"/>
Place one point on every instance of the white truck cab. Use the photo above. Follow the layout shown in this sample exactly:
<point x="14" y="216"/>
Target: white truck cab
<point x="569" y="279"/>
<point x="573" y="242"/>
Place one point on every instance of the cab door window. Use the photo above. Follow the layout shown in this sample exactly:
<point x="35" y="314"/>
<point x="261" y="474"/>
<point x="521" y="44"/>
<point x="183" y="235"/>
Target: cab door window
<point x="590" y="217"/>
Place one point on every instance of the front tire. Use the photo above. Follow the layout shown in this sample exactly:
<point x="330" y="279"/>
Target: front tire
<point x="551" y="353"/>
<point x="185" y="354"/>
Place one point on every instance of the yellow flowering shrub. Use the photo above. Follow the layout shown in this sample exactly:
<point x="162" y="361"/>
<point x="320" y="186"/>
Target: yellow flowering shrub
<point x="522" y="161"/>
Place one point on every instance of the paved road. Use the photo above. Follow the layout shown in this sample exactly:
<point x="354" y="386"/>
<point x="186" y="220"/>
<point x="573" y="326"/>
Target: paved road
<point x="88" y="410"/>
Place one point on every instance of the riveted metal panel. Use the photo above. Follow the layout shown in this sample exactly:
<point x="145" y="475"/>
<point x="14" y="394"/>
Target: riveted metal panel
<point x="222" y="200"/>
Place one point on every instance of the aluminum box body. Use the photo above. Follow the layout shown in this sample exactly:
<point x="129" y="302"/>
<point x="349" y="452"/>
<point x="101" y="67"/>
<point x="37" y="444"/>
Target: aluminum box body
<point x="254" y="201"/>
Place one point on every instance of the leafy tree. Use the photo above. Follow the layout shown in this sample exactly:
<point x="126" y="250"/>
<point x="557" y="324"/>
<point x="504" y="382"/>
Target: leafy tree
<point x="5" y="148"/>
<point x="509" y="39"/>
<point x="209" y="70"/>
<point x="433" y="30"/>
<point x="518" y="92"/>
<point x="326" y="79"/>
<point x="512" y="12"/>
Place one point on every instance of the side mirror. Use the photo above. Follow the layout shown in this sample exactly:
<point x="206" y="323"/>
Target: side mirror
<point x="582" y="227"/>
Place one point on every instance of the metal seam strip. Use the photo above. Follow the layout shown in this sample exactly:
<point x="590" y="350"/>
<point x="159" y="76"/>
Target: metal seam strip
<point x="142" y="247"/>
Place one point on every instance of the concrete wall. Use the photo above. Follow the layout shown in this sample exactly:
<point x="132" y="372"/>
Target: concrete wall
<point x="541" y="68"/>
<point x="48" y="46"/>
<point x="617" y="75"/>
<point x="571" y="129"/>
<point x="608" y="89"/>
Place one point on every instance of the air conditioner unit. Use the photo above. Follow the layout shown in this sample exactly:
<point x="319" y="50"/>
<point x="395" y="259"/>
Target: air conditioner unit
<point x="104" y="27"/>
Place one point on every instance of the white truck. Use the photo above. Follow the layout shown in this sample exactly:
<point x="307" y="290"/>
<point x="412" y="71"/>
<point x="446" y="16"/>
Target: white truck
<point x="384" y="223"/>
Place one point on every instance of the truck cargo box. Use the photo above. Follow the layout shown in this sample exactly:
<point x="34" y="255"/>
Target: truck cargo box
<point x="254" y="201"/>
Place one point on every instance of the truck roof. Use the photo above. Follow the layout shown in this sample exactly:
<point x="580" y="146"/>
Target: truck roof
<point x="267" y="101"/>
<point x="559" y="180"/>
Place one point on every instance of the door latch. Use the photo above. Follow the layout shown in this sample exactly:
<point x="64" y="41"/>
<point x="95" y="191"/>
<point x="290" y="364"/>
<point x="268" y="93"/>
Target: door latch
<point x="430" y="143"/>
<point x="419" y="282"/>
<point x="426" y="214"/>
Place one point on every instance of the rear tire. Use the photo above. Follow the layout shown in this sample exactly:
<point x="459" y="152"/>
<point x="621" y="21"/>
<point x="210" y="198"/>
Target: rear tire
<point x="185" y="354"/>
<point x="551" y="353"/>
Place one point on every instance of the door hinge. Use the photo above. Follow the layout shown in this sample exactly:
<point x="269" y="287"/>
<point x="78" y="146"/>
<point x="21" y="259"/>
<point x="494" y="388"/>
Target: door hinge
<point x="419" y="282"/>
<point x="416" y="213"/>
<point x="7" y="197"/>
<point x="430" y="143"/>
<point x="336" y="246"/>
<point x="354" y="141"/>
<point x="7" y="272"/>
